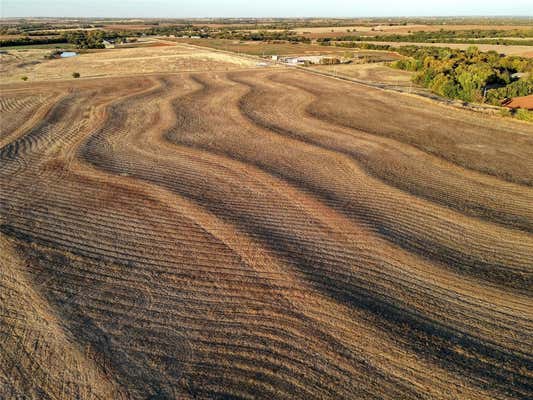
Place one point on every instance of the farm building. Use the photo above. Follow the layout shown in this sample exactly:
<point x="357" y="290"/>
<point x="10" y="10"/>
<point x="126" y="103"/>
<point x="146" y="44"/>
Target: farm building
<point x="303" y="60"/>
<point x="292" y="61"/>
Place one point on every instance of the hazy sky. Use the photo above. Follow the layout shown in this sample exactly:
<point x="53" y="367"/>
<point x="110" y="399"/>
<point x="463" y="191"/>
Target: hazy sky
<point x="264" y="8"/>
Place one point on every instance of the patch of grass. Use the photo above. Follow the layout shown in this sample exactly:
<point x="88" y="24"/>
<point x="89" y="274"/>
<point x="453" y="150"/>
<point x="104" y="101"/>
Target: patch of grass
<point x="520" y="113"/>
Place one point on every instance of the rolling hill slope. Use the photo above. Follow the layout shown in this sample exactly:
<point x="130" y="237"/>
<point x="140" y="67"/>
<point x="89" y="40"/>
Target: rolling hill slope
<point x="261" y="234"/>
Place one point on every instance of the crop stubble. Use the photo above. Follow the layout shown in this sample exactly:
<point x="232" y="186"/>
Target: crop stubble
<point x="261" y="234"/>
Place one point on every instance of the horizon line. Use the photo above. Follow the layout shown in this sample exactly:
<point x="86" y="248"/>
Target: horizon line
<point x="272" y="17"/>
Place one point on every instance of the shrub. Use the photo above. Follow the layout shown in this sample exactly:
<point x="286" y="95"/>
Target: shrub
<point x="24" y="78"/>
<point x="524" y="115"/>
<point x="76" y="75"/>
<point x="53" y="54"/>
<point x="505" y="112"/>
<point x="408" y="64"/>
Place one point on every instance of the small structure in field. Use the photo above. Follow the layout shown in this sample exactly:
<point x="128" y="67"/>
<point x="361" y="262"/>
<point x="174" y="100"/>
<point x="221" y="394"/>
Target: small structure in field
<point x="109" y="44"/>
<point x="292" y="61"/>
<point x="314" y="60"/>
<point x="302" y="60"/>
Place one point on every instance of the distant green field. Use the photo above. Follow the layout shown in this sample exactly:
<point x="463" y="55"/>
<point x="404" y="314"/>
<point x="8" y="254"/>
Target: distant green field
<point x="66" y="46"/>
<point x="283" y="49"/>
<point x="254" y="48"/>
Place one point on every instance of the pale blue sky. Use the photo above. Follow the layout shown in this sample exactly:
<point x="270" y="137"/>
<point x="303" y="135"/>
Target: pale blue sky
<point x="264" y="8"/>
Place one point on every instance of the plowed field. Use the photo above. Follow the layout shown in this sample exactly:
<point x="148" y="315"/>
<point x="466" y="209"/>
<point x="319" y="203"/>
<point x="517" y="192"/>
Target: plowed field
<point x="264" y="234"/>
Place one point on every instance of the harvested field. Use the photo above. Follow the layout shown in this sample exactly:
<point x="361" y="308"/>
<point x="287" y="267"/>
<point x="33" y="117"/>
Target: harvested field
<point x="338" y="31"/>
<point x="160" y="56"/>
<point x="357" y="30"/>
<point x="260" y="48"/>
<point x="260" y="234"/>
<point x="372" y="72"/>
<point x="406" y="29"/>
<point x="510" y="50"/>
<point x="127" y="27"/>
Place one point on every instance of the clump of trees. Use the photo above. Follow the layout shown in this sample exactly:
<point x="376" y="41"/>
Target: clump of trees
<point x="81" y="39"/>
<point x="25" y="40"/>
<point x="365" y="46"/>
<point x="330" y="61"/>
<point x="469" y="75"/>
<point x="86" y="39"/>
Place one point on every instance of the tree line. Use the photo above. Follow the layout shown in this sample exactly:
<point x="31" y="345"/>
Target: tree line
<point x="522" y="37"/>
<point x="82" y="39"/>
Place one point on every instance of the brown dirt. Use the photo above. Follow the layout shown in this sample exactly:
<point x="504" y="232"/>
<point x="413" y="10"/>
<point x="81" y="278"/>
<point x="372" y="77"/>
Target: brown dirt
<point x="265" y="234"/>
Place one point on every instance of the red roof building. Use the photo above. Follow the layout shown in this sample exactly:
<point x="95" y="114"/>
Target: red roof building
<point x="520" y="102"/>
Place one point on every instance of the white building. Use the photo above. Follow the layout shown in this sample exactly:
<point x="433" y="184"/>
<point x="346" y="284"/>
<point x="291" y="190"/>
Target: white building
<point x="303" y="60"/>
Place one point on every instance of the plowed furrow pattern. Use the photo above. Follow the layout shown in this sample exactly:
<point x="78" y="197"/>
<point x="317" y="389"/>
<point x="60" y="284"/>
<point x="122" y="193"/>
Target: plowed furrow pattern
<point x="256" y="234"/>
